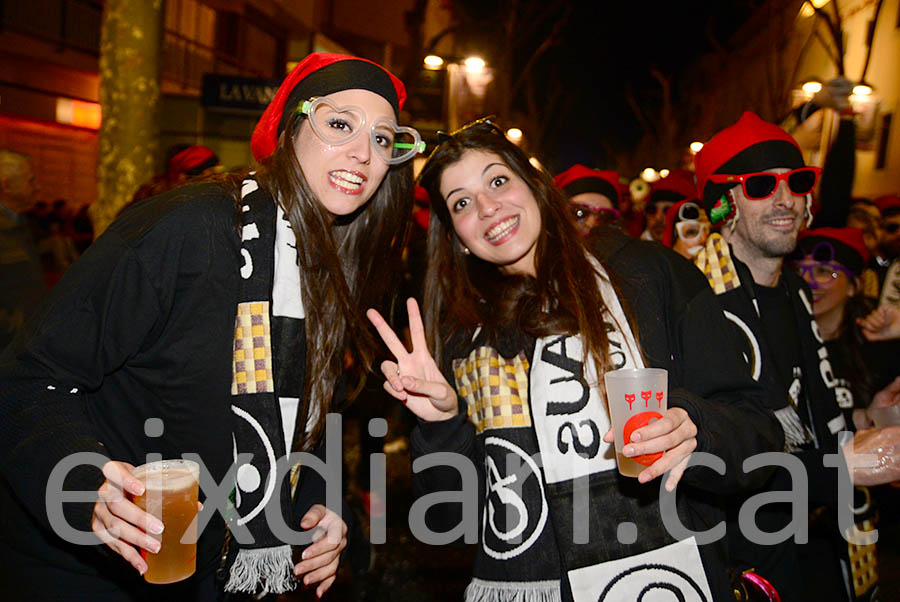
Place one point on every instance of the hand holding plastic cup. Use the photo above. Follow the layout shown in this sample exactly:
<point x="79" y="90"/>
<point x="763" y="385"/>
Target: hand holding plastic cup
<point x="636" y="398"/>
<point x="171" y="490"/>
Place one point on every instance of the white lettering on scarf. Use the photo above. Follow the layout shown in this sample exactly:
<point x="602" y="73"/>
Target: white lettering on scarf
<point x="570" y="418"/>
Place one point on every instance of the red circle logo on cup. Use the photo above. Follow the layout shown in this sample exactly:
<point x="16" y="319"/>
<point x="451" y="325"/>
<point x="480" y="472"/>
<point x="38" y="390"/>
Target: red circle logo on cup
<point x="633" y="424"/>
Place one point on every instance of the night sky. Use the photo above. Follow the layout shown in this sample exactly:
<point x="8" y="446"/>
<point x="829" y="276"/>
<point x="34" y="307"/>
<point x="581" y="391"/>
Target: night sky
<point x="605" y="47"/>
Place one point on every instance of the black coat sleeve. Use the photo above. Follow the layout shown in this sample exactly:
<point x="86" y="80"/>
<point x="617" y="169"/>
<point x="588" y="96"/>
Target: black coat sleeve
<point x="96" y="316"/>
<point x="111" y="303"/>
<point x="681" y="327"/>
<point x="455" y="435"/>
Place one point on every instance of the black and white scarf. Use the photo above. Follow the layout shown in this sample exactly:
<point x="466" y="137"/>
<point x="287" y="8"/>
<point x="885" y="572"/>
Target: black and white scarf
<point x="541" y="410"/>
<point x="268" y="327"/>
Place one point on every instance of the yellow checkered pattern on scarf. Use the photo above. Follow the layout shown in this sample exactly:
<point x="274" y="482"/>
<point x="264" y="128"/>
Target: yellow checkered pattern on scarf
<point x="495" y="388"/>
<point x="863" y="561"/>
<point x="714" y="260"/>
<point x="252" y="371"/>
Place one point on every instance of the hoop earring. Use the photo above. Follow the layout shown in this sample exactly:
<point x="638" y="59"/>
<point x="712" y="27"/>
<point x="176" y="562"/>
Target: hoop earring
<point x="808" y="208"/>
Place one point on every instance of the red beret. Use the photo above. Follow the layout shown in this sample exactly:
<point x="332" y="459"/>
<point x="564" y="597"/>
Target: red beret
<point x="771" y="147"/>
<point x="330" y="73"/>
<point x="579" y="179"/>
<point x="190" y="159"/>
<point x="849" y="247"/>
<point x="889" y="204"/>
<point x="420" y="195"/>
<point x="679" y="181"/>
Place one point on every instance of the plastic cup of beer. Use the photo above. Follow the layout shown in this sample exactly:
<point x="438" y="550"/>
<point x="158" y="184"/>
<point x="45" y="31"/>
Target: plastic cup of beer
<point x="170" y="494"/>
<point x="636" y="398"/>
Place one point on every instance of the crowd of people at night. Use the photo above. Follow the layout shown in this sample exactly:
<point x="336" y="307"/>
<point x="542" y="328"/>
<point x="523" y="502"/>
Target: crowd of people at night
<point x="230" y="315"/>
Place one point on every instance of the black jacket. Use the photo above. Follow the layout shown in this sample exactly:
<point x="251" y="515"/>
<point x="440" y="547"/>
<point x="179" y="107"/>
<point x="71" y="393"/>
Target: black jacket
<point x="140" y="327"/>
<point x="679" y="325"/>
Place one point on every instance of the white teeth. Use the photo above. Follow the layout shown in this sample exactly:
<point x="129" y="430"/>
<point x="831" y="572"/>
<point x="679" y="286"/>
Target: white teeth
<point x="346" y="179"/>
<point x="501" y="229"/>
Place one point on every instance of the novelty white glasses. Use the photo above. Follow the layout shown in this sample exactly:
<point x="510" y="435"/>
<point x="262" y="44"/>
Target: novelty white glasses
<point x="339" y="125"/>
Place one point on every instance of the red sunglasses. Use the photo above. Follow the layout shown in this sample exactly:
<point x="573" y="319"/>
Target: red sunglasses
<point x="762" y="184"/>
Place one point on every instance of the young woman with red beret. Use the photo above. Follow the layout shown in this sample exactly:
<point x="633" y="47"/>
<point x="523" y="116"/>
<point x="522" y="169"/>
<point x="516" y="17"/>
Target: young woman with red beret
<point x="213" y="320"/>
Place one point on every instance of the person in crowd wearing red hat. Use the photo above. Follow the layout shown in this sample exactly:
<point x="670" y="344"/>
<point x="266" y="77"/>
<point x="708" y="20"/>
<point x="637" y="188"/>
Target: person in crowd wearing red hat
<point x="687" y="228"/>
<point x="832" y="260"/>
<point x="889" y="245"/>
<point x="665" y="192"/>
<point x="593" y="196"/>
<point x="755" y="185"/>
<point x="213" y="321"/>
<point x="513" y="290"/>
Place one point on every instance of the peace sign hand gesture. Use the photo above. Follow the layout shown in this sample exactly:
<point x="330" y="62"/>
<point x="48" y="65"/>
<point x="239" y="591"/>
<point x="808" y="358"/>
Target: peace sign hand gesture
<point x="415" y="378"/>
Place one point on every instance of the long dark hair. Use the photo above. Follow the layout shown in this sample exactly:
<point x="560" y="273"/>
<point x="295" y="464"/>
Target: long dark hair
<point x="463" y="292"/>
<point x="346" y="265"/>
<point x="850" y="337"/>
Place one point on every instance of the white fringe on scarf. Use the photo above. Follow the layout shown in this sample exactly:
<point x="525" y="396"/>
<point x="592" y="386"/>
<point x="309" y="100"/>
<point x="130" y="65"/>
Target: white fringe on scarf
<point x="480" y="590"/>
<point x="269" y="568"/>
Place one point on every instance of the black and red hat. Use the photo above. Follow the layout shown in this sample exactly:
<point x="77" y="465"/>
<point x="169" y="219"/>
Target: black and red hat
<point x="320" y="74"/>
<point x="888" y="205"/>
<point x="848" y="247"/>
<point x="192" y="161"/>
<point x="677" y="186"/>
<point x="748" y="146"/>
<point x="579" y="179"/>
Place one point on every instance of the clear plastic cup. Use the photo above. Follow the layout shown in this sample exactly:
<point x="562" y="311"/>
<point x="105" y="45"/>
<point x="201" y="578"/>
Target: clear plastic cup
<point x="171" y="490"/>
<point x="636" y="398"/>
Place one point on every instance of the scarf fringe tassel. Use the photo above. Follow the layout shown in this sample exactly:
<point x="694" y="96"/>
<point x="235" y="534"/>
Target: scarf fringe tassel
<point x="270" y="568"/>
<point x="513" y="591"/>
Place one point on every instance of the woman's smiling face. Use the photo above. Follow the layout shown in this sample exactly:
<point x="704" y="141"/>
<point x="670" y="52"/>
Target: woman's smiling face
<point x="343" y="177"/>
<point x="493" y="210"/>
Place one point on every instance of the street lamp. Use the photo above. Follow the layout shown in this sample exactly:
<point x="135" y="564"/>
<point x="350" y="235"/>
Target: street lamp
<point x="663" y="173"/>
<point x="695" y="147"/>
<point x="812" y="87"/>
<point x="433" y="62"/>
<point x="514" y="135"/>
<point x="862" y="89"/>
<point x="474" y="64"/>
<point x="650" y="175"/>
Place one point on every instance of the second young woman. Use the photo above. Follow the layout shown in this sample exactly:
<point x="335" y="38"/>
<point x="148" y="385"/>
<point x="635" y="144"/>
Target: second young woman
<point x="524" y="322"/>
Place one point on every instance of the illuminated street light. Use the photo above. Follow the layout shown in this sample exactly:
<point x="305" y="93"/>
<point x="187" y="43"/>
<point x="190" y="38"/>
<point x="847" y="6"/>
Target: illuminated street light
<point x="811" y="87"/>
<point x="663" y="173"/>
<point x="807" y="9"/>
<point x="433" y="61"/>
<point x="696" y="146"/>
<point x="650" y="175"/>
<point x="474" y="64"/>
<point x="514" y="134"/>
<point x="535" y="163"/>
<point x="862" y="89"/>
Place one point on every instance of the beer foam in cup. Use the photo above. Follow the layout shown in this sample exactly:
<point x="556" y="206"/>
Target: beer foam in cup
<point x="168" y="474"/>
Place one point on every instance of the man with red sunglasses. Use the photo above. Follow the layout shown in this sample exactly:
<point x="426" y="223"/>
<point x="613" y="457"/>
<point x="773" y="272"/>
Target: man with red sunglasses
<point x="753" y="182"/>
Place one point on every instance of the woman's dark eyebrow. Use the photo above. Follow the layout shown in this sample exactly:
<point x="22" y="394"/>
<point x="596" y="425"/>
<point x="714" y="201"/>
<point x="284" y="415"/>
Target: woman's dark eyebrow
<point x="483" y="171"/>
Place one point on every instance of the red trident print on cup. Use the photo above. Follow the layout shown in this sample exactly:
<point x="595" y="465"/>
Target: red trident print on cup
<point x="630" y="400"/>
<point x="645" y="395"/>
<point x="659" y="398"/>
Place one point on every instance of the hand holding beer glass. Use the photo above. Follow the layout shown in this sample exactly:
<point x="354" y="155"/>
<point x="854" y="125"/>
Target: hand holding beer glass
<point x="649" y="438"/>
<point x="131" y="512"/>
<point x="170" y="495"/>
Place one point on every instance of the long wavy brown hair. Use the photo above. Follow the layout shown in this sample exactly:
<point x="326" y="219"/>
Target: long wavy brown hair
<point x="347" y="264"/>
<point x="463" y="292"/>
